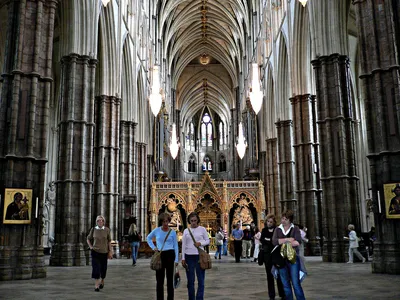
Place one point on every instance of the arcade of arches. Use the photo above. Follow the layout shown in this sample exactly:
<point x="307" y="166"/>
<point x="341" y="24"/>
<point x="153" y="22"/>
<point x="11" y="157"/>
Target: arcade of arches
<point x="218" y="203"/>
<point x="78" y="137"/>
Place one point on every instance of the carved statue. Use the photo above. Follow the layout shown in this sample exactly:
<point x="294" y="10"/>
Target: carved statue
<point x="48" y="215"/>
<point x="242" y="213"/>
<point x="173" y="210"/>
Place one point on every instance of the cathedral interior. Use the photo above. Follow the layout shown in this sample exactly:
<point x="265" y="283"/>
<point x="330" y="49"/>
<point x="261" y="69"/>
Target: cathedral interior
<point x="231" y="108"/>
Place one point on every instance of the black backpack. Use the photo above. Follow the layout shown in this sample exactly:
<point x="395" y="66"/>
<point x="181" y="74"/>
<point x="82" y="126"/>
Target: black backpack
<point x="135" y="237"/>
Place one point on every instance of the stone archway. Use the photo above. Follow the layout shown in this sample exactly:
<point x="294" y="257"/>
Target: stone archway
<point x="209" y="212"/>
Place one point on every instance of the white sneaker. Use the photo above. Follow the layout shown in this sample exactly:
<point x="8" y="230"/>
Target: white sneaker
<point x="349" y="262"/>
<point x="363" y="261"/>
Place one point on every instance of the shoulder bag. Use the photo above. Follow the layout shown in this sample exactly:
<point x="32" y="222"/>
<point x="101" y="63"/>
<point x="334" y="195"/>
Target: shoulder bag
<point x="155" y="263"/>
<point x="204" y="258"/>
<point x="260" y="258"/>
<point x="279" y="257"/>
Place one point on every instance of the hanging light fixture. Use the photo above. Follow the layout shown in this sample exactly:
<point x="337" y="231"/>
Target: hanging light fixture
<point x="155" y="96"/>
<point x="242" y="144"/>
<point x="174" y="144"/>
<point x="256" y="96"/>
<point x="303" y="2"/>
<point x="105" y="2"/>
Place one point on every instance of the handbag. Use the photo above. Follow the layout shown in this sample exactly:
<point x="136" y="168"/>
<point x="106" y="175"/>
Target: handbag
<point x="155" y="262"/>
<point x="204" y="257"/>
<point x="288" y="251"/>
<point x="260" y="257"/>
<point x="276" y="258"/>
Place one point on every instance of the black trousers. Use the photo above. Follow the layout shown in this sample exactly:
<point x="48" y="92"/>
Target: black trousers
<point x="99" y="265"/>
<point x="168" y="267"/>
<point x="271" y="279"/>
<point x="238" y="249"/>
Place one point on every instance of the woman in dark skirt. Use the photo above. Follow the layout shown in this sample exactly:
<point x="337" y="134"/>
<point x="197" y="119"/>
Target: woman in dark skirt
<point x="99" y="241"/>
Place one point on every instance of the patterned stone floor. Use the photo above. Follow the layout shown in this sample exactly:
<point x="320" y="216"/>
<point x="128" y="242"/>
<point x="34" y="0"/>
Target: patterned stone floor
<point x="226" y="281"/>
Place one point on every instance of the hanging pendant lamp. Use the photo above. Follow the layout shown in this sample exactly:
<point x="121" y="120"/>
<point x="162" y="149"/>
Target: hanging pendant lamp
<point x="174" y="144"/>
<point x="256" y="95"/>
<point x="155" y="98"/>
<point x="242" y="144"/>
<point x="303" y="2"/>
<point x="105" y="2"/>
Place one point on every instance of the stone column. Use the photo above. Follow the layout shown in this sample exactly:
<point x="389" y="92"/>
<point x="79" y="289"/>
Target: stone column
<point x="106" y="160"/>
<point x="234" y="156"/>
<point x="74" y="178"/>
<point x="176" y="175"/>
<point x="307" y="168"/>
<point x="340" y="199"/>
<point x="286" y="166"/>
<point x="378" y="25"/>
<point x="272" y="178"/>
<point x="24" y="119"/>
<point x="141" y="180"/>
<point x="126" y="167"/>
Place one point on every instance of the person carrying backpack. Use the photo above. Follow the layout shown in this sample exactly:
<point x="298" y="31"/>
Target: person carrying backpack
<point x="134" y="239"/>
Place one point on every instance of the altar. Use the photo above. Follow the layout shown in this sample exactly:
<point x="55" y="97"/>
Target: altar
<point x="218" y="203"/>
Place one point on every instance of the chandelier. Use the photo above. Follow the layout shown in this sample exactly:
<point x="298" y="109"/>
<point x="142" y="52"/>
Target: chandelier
<point x="303" y="2"/>
<point x="174" y="144"/>
<point x="242" y="144"/>
<point x="105" y="2"/>
<point x="256" y="96"/>
<point x="155" y="96"/>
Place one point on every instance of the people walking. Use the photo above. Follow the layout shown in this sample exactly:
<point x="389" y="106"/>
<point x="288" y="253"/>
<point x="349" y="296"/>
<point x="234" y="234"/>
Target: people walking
<point x="288" y="233"/>
<point x="267" y="246"/>
<point x="219" y="241"/>
<point x="167" y="241"/>
<point x="257" y="236"/>
<point x="194" y="236"/>
<point x="237" y="235"/>
<point x="225" y="244"/>
<point x="99" y="242"/>
<point x="134" y="238"/>
<point x="353" y="245"/>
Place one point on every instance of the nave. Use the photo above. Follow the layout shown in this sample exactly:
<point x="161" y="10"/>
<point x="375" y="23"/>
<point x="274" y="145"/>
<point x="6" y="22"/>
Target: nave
<point x="225" y="281"/>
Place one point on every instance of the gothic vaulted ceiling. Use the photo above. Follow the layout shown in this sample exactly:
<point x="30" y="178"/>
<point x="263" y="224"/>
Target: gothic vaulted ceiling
<point x="203" y="43"/>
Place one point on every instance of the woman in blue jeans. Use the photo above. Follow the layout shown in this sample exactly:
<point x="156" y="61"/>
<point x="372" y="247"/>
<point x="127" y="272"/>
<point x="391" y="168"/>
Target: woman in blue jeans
<point x="134" y="239"/>
<point x="287" y="232"/>
<point x="190" y="255"/>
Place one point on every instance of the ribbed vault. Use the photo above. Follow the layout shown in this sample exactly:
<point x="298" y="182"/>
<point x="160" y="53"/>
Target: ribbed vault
<point x="203" y="40"/>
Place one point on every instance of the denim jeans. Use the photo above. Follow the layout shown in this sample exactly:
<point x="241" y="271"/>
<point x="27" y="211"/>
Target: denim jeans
<point x="225" y="248"/>
<point x="193" y="266"/>
<point x="290" y="277"/>
<point x="135" y="249"/>
<point x="219" y="251"/>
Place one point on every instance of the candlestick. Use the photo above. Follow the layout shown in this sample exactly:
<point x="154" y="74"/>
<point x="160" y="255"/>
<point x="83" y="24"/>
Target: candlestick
<point x="37" y="206"/>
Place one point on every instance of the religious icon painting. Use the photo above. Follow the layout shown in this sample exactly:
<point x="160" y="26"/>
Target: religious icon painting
<point x="17" y="206"/>
<point x="392" y="200"/>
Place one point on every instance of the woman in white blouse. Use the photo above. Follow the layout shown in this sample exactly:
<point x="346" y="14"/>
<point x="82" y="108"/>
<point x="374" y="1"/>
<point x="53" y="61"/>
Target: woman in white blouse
<point x="190" y="255"/>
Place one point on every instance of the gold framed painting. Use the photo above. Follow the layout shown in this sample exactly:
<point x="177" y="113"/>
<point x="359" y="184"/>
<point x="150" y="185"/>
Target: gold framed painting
<point x="17" y="206"/>
<point x="392" y="200"/>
